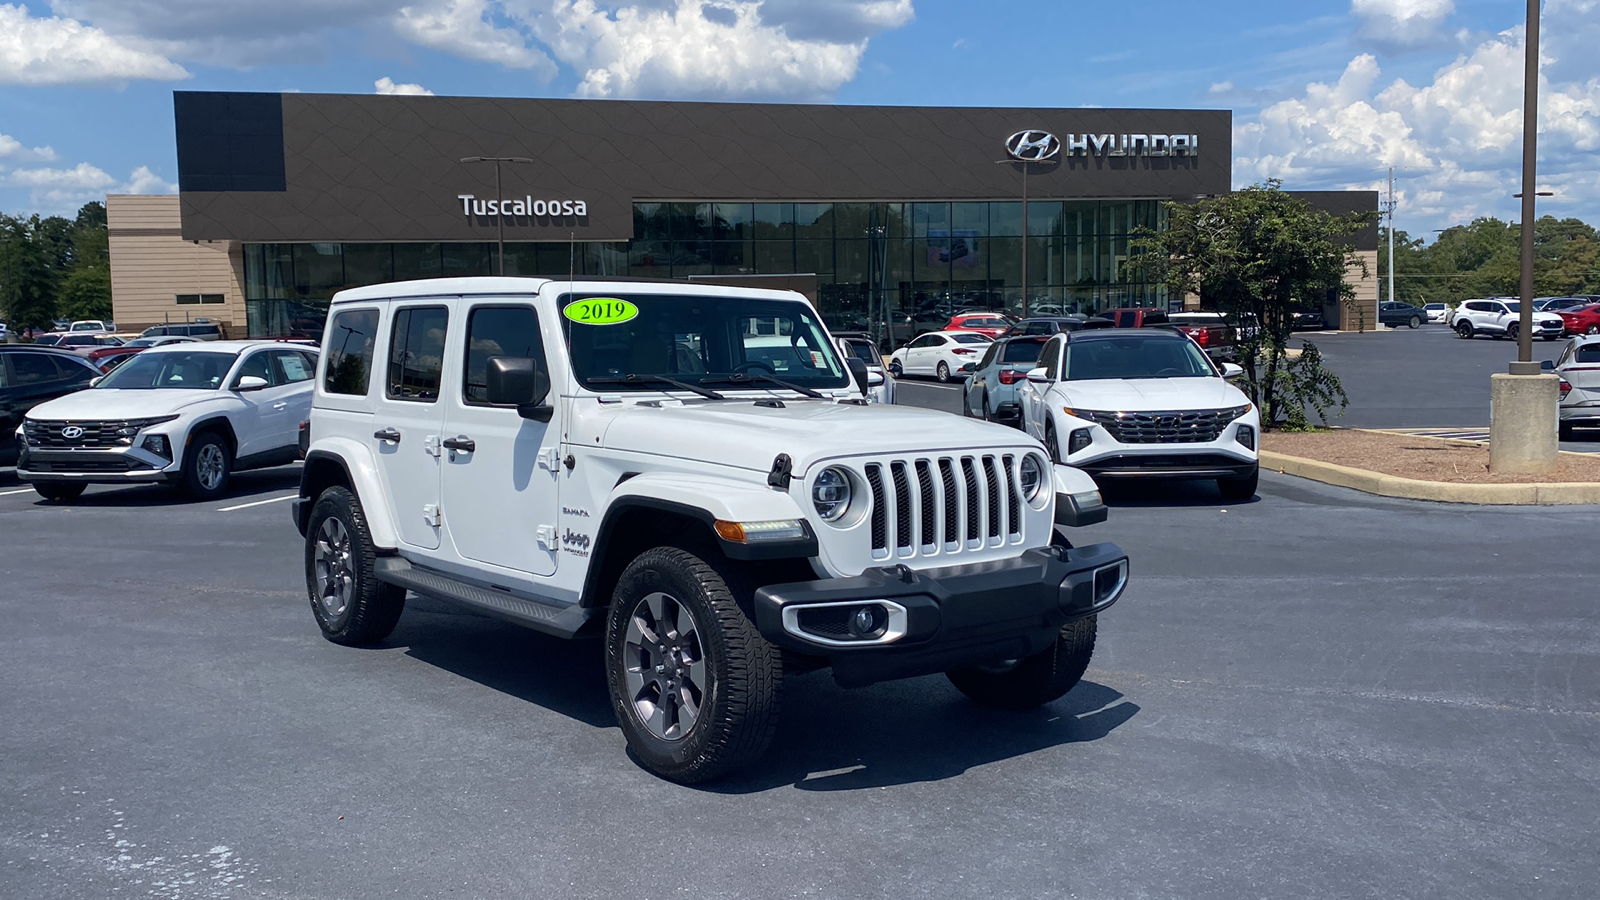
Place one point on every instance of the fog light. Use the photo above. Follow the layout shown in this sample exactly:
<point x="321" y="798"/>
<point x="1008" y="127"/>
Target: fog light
<point x="1080" y="438"/>
<point x="868" y="622"/>
<point x="1246" y="435"/>
<point x="1109" y="581"/>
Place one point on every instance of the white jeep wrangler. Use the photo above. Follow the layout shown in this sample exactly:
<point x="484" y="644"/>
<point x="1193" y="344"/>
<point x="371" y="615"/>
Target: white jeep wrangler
<point x="642" y="462"/>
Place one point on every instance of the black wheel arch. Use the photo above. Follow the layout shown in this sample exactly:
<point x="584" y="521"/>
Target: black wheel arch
<point x="322" y="470"/>
<point x="217" y="425"/>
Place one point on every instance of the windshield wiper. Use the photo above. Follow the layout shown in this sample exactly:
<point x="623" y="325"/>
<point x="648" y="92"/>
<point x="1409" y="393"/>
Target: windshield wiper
<point x="747" y="377"/>
<point x="657" y="379"/>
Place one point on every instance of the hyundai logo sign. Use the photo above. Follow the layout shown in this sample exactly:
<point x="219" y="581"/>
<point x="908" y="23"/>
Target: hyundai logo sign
<point x="1032" y="146"/>
<point x="72" y="432"/>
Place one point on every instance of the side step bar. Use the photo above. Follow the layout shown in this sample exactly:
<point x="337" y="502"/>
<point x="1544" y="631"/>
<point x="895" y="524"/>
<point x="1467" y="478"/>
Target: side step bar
<point x="559" y="619"/>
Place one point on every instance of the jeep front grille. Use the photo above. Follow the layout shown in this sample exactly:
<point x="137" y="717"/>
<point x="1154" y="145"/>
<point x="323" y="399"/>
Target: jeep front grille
<point x="915" y="512"/>
<point x="1185" y="426"/>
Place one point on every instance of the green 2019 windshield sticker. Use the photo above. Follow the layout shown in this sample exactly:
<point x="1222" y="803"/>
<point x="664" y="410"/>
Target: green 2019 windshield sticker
<point x="600" y="311"/>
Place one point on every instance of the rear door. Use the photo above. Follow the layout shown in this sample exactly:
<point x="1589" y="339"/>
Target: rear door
<point x="409" y="417"/>
<point x="498" y="453"/>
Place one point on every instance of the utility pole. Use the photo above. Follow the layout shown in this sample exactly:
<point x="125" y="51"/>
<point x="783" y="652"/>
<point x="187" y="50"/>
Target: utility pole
<point x="1391" y="206"/>
<point x="500" y="216"/>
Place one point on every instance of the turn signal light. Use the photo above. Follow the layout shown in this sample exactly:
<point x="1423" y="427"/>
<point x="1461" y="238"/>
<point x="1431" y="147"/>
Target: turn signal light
<point x="760" y="532"/>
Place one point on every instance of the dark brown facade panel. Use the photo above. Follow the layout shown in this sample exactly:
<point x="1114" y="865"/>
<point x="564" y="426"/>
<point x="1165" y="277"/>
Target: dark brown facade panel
<point x="371" y="168"/>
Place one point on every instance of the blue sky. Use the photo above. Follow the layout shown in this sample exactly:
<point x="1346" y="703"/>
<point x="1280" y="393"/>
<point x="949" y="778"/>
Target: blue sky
<point x="1325" y="94"/>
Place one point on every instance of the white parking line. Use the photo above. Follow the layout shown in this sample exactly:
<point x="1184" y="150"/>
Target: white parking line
<point x="258" y="503"/>
<point x="9" y="493"/>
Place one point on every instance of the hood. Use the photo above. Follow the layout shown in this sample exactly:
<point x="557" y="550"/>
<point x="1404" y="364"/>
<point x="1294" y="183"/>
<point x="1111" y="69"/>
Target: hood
<point x="1149" y="394"/>
<point x="98" y="404"/>
<point x="738" y="433"/>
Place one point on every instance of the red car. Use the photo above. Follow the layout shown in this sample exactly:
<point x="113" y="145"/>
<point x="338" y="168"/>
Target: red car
<point x="990" y="323"/>
<point x="106" y="358"/>
<point x="1581" y="319"/>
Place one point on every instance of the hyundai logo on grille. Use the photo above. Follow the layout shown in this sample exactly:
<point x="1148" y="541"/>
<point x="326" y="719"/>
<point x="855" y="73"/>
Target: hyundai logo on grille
<point x="72" y="432"/>
<point x="1032" y="146"/>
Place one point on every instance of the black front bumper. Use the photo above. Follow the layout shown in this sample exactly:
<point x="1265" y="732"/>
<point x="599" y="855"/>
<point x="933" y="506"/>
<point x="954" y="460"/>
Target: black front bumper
<point x="1168" y="465"/>
<point x="954" y="616"/>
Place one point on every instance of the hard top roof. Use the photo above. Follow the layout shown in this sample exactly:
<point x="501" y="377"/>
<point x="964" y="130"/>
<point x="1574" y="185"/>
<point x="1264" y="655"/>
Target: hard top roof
<point x="482" y="285"/>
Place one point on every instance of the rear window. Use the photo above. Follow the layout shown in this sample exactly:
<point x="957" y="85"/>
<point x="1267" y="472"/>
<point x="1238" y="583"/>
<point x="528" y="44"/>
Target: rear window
<point x="971" y="338"/>
<point x="348" y="343"/>
<point x="1022" y="352"/>
<point x="1589" y="353"/>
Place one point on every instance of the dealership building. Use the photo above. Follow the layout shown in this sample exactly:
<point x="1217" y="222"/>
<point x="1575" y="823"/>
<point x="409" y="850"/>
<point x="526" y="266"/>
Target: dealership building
<point x="886" y="217"/>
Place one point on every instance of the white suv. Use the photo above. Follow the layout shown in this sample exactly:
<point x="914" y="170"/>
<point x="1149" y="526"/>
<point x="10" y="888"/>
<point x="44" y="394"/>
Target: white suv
<point x="647" y="463"/>
<point x="174" y="414"/>
<point x="1502" y="318"/>
<point x="1143" y="403"/>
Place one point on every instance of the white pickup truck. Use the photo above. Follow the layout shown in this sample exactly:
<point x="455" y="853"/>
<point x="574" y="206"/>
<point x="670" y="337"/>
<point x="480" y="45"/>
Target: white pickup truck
<point x="642" y="463"/>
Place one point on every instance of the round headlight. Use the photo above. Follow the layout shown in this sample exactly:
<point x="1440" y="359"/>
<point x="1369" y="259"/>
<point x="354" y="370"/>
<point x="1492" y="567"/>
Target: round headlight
<point x="1032" y="475"/>
<point x="830" y="493"/>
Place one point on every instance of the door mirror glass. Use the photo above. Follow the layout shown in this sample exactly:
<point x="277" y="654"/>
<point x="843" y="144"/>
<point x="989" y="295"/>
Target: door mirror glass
<point x="1232" y="370"/>
<point x="250" y="383"/>
<point x="517" y="381"/>
<point x="95" y="380"/>
<point x="1040" y="375"/>
<point x="1547" y="365"/>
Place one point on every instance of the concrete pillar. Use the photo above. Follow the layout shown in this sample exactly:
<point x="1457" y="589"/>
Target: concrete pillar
<point x="1522" y="422"/>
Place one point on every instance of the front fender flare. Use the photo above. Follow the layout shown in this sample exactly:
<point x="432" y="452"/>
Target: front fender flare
<point x="362" y="472"/>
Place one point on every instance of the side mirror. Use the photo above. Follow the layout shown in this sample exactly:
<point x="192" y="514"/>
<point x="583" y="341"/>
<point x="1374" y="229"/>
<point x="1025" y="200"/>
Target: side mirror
<point x="517" y="381"/>
<point x="969" y="367"/>
<point x="250" y="383"/>
<point x="1545" y="365"/>
<point x="1041" y="375"/>
<point x="858" y="373"/>
<point x="96" y="380"/>
<point x="1232" y="370"/>
<point x="875" y="379"/>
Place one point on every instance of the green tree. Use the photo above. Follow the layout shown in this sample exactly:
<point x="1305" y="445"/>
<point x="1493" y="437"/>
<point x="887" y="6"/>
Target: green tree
<point x="85" y="293"/>
<point x="27" y="281"/>
<point x="1257" y="255"/>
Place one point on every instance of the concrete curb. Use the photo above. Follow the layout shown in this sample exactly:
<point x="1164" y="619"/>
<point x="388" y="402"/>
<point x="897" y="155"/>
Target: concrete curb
<point x="1535" y="494"/>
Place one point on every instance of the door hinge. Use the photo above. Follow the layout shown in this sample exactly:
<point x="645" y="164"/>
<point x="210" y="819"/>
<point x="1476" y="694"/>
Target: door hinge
<point x="548" y="458"/>
<point x="432" y="515"/>
<point x="430" y="445"/>
<point x="546" y="536"/>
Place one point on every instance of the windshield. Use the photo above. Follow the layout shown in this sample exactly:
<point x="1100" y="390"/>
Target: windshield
<point x="862" y="349"/>
<point x="141" y="342"/>
<point x="707" y="340"/>
<point x="190" y="370"/>
<point x="1134" y="356"/>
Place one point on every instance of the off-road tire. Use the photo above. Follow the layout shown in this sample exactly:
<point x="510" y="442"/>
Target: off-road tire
<point x="373" y="608"/>
<point x="1238" y="490"/>
<point x="738" y="710"/>
<point x="942" y="372"/>
<point x="192" y="481"/>
<point x="1034" y="680"/>
<point x="59" y="491"/>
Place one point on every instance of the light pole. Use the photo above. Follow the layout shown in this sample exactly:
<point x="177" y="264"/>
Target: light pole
<point x="500" y="216"/>
<point x="1025" y="163"/>
<point x="1530" y="163"/>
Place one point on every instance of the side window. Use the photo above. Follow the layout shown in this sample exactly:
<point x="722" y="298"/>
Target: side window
<point x="289" y="367"/>
<point x="416" y="353"/>
<point x="1589" y="353"/>
<point x="498" y="331"/>
<point x="988" y="355"/>
<point x="258" y="365"/>
<point x="71" y="371"/>
<point x="1050" y="358"/>
<point x="349" y="344"/>
<point x="33" y="368"/>
<point x="1041" y="328"/>
<point x="921" y="342"/>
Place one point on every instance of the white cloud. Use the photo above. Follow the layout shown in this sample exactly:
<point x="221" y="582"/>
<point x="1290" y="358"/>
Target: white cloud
<point x="1456" y="138"/>
<point x="13" y="150"/>
<point x="386" y="85"/>
<point x="231" y="33"/>
<point x="1401" y="23"/>
<point x="38" y="51"/>
<point x="62" y="191"/>
<point x="465" y="28"/>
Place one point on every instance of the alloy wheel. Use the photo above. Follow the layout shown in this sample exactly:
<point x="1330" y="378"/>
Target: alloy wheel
<point x="334" y="569"/>
<point x="209" y="465"/>
<point x="665" y="666"/>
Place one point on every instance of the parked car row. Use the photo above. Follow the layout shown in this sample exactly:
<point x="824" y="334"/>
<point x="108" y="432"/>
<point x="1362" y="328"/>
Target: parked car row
<point x="174" y="412"/>
<point x="1502" y="317"/>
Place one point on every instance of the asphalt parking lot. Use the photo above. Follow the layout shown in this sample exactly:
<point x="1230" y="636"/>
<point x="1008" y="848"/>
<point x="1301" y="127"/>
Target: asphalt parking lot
<point x="1316" y="694"/>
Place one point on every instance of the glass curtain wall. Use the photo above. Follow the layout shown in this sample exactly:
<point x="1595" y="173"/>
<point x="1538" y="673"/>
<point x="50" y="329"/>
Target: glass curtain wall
<point x="892" y="269"/>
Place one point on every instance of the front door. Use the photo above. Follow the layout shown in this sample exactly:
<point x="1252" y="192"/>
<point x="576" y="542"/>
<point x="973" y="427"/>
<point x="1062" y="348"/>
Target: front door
<point x="265" y="416"/>
<point x="500" y="480"/>
<point x="410" y="418"/>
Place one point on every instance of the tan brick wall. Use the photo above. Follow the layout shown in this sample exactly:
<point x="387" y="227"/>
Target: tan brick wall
<point x="151" y="264"/>
<point x="1366" y="316"/>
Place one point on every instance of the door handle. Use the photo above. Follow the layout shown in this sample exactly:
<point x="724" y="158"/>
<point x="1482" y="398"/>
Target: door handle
<point x="279" y="405"/>
<point x="464" y="444"/>
<point x="388" y="434"/>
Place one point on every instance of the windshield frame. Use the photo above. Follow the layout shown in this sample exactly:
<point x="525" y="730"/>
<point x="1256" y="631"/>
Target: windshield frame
<point x="1194" y="354"/>
<point x="807" y="329"/>
<point x="146" y="359"/>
